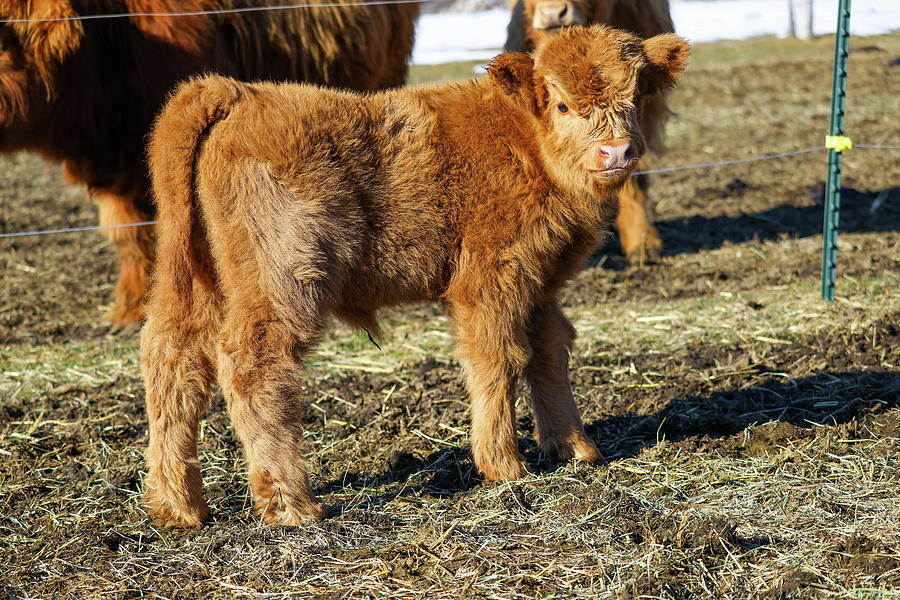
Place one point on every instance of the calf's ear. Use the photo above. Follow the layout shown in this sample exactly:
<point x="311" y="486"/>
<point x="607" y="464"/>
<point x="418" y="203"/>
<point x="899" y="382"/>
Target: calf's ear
<point x="513" y="73"/>
<point x="666" y="57"/>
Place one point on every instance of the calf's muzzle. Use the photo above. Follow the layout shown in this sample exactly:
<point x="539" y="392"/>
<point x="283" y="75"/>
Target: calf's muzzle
<point x="615" y="157"/>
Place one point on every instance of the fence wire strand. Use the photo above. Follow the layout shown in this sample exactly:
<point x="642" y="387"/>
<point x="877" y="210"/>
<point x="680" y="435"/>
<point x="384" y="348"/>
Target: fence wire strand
<point x="17" y="234"/>
<point x="729" y="162"/>
<point x="71" y="229"/>
<point x="218" y="11"/>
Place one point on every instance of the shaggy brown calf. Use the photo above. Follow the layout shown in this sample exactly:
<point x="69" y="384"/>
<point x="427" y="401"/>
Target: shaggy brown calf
<point x="281" y="205"/>
<point x="534" y="20"/>
<point x="85" y="92"/>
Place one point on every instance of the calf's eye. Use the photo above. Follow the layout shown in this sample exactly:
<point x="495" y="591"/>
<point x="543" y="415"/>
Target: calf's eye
<point x="562" y="107"/>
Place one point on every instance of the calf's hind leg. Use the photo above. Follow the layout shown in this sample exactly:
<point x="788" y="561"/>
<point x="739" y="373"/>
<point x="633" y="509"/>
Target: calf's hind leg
<point x="259" y="368"/>
<point x="558" y="426"/>
<point x="177" y="365"/>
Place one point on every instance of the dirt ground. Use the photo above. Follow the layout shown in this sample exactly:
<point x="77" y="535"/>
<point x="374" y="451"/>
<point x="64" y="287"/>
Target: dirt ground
<point x="752" y="431"/>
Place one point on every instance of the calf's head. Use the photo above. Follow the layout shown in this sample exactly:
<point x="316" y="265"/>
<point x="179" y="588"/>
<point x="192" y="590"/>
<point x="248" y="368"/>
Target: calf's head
<point x="583" y="87"/>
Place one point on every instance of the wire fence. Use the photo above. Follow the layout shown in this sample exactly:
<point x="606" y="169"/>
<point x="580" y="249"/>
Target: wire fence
<point x="309" y="5"/>
<point x="218" y="11"/>
<point x="17" y="234"/>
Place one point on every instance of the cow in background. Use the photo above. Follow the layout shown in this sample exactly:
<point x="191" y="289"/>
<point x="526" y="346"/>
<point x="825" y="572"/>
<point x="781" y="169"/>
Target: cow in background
<point x="533" y="20"/>
<point x="84" y="92"/>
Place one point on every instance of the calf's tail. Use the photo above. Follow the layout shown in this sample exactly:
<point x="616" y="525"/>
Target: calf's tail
<point x="174" y="150"/>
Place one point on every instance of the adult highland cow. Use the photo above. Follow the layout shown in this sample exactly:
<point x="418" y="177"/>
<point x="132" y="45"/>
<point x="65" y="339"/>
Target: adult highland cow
<point x="85" y="91"/>
<point x="533" y="20"/>
<point x="282" y="205"/>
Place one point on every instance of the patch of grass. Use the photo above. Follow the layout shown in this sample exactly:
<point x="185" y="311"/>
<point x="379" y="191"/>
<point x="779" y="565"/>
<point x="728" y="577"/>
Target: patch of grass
<point x="455" y="71"/>
<point x="768" y="49"/>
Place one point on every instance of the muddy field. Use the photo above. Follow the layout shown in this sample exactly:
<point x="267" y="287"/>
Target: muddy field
<point x="752" y="431"/>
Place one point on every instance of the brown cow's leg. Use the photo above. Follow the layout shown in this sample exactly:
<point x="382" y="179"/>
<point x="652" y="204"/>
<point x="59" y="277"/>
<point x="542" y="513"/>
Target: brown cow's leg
<point x="177" y="365"/>
<point x="493" y="360"/>
<point x="259" y="368"/>
<point x="135" y="246"/>
<point x="639" y="239"/>
<point x="558" y="427"/>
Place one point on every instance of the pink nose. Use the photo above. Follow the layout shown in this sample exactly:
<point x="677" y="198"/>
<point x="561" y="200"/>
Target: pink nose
<point x="616" y="156"/>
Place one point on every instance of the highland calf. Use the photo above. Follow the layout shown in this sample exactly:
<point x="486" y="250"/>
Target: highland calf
<point x="84" y="91"/>
<point x="532" y="21"/>
<point x="282" y="205"/>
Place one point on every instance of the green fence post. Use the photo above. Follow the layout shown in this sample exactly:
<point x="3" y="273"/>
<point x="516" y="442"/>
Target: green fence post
<point x="836" y="144"/>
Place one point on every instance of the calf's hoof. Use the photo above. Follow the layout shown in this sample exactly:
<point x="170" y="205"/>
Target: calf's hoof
<point x="578" y="447"/>
<point x="276" y="512"/>
<point x="169" y="513"/>
<point x="586" y="450"/>
<point x="503" y="470"/>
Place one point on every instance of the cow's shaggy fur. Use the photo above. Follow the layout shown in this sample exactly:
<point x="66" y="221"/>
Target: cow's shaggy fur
<point x="85" y="92"/>
<point x="533" y="20"/>
<point x="281" y="205"/>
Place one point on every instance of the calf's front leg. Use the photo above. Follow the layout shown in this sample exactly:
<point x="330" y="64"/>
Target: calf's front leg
<point x="493" y="352"/>
<point x="558" y="427"/>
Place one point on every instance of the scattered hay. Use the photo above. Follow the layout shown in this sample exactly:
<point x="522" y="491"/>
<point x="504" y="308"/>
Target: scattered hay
<point x="752" y="432"/>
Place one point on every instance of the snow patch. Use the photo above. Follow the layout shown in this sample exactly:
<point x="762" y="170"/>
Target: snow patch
<point x="447" y="37"/>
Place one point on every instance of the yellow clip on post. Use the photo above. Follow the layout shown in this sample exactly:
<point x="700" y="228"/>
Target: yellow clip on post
<point x="838" y="143"/>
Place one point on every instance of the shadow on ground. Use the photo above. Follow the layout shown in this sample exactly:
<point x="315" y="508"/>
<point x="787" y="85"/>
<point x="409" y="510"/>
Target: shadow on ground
<point x="825" y="399"/>
<point x="696" y="422"/>
<point x="861" y="211"/>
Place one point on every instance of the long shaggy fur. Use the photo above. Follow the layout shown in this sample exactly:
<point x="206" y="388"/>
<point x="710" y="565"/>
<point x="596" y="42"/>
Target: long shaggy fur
<point x="646" y="18"/>
<point x="282" y="205"/>
<point x="85" y="92"/>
